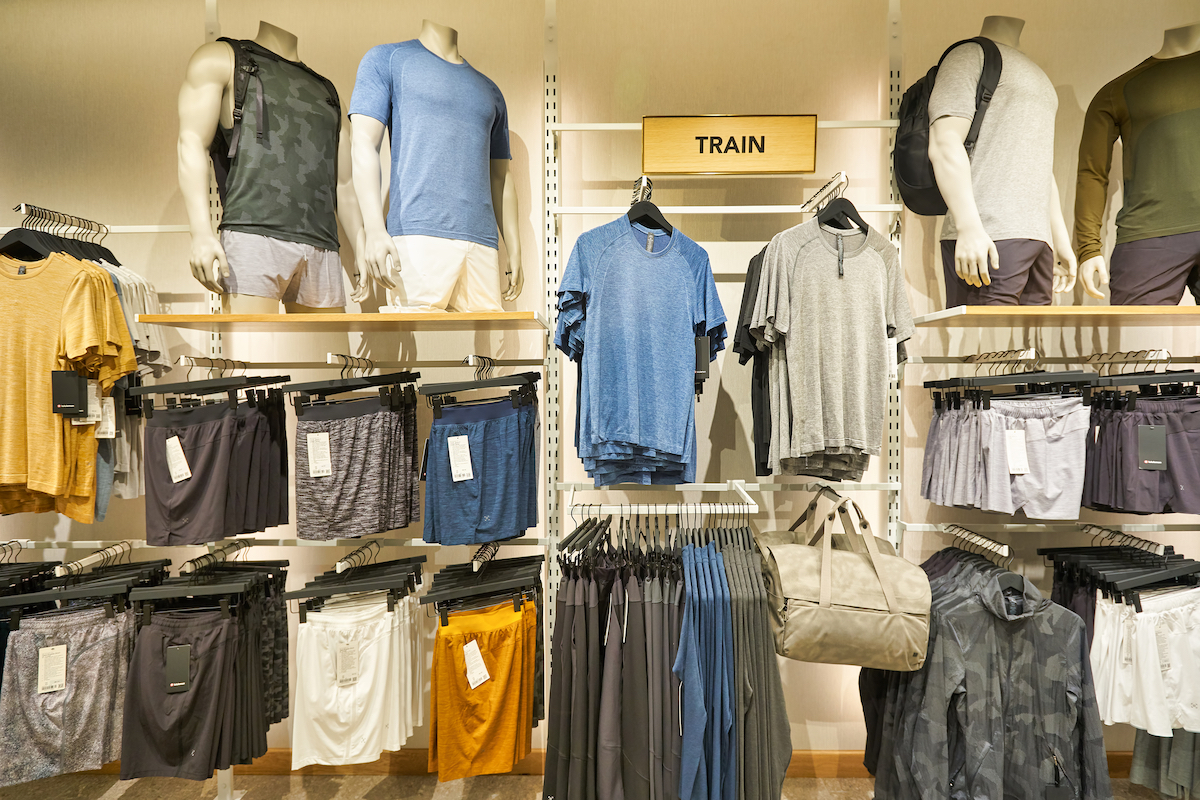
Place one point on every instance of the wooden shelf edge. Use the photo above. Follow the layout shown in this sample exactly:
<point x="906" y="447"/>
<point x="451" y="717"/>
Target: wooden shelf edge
<point x="416" y="321"/>
<point x="1057" y="316"/>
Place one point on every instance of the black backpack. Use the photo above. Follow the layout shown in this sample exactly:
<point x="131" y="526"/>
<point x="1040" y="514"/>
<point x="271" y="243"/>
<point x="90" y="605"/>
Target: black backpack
<point x="246" y="54"/>
<point x="910" y="157"/>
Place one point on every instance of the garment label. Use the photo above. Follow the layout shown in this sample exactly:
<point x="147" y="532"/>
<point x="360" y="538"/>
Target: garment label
<point x="1152" y="447"/>
<point x="320" y="464"/>
<point x="347" y="664"/>
<point x="1164" y="651"/>
<point x="93" y="405"/>
<point x="1018" y="458"/>
<point x="893" y="366"/>
<point x="177" y="461"/>
<point x="52" y="669"/>
<point x="107" y="429"/>
<point x="460" y="458"/>
<point x="476" y="670"/>
<point x="649" y="242"/>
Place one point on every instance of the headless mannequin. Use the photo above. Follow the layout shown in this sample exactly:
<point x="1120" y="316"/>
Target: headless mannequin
<point x="1177" y="42"/>
<point x="379" y="251"/>
<point x="974" y="249"/>
<point x="205" y="101"/>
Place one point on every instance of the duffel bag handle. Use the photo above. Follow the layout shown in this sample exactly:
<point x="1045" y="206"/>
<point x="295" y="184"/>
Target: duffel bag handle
<point x="851" y="530"/>
<point x="811" y="519"/>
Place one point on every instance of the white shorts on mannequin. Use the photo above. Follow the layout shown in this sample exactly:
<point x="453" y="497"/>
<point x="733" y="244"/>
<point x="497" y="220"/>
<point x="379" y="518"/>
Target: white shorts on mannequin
<point x="439" y="274"/>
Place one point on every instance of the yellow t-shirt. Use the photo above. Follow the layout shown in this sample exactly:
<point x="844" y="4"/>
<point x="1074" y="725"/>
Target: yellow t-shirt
<point x="59" y="314"/>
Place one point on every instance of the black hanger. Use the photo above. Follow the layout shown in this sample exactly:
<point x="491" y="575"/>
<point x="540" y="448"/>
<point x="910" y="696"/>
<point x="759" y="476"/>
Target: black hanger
<point x="841" y="213"/>
<point x="339" y="385"/>
<point x="24" y="244"/>
<point x="647" y="214"/>
<point x="520" y="379"/>
<point x="98" y="589"/>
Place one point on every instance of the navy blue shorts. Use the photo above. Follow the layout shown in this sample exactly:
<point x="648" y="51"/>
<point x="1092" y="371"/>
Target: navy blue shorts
<point x="500" y="500"/>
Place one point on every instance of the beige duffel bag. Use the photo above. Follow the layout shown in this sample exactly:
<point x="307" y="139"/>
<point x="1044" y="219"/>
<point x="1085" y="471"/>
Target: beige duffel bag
<point x="854" y="606"/>
<point x="809" y="527"/>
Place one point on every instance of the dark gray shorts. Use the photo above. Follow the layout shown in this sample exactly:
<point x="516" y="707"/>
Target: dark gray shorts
<point x="179" y="735"/>
<point x="1153" y="272"/>
<point x="1025" y="276"/>
<point x="78" y="727"/>
<point x="1177" y="488"/>
<point x="194" y="510"/>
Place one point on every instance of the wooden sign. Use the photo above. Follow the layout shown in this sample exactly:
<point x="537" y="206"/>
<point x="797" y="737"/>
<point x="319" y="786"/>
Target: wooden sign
<point x="731" y="144"/>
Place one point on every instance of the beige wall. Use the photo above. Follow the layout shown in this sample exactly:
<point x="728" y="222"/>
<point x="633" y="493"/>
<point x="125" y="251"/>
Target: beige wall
<point x="89" y="93"/>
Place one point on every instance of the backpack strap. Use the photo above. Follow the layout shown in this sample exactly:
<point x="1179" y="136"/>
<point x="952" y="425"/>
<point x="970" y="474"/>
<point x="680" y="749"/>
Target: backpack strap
<point x="244" y="68"/>
<point x="989" y="79"/>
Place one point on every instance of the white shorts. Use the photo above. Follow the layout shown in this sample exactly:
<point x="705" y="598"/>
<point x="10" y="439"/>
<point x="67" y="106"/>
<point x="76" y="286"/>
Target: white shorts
<point x="354" y="723"/>
<point x="439" y="274"/>
<point x="290" y="272"/>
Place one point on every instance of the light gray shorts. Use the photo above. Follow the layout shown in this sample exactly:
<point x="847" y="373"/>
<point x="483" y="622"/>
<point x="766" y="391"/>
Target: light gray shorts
<point x="290" y="272"/>
<point x="75" y="728"/>
<point x="1055" y="439"/>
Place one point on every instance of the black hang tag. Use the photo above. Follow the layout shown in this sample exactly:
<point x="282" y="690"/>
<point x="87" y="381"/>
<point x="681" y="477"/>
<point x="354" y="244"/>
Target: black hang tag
<point x="68" y="392"/>
<point x="425" y="461"/>
<point x="179" y="668"/>
<point x="703" y="348"/>
<point x="1152" y="447"/>
<point x="1059" y="793"/>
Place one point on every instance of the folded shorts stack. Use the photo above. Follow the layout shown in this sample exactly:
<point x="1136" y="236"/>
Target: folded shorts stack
<point x="968" y="463"/>
<point x="372" y="484"/>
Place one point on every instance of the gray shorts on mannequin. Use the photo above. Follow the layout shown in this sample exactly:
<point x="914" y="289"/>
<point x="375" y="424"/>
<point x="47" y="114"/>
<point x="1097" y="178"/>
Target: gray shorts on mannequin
<point x="1025" y="276"/>
<point x="1055" y="433"/>
<point x="1155" y="271"/>
<point x="290" y="272"/>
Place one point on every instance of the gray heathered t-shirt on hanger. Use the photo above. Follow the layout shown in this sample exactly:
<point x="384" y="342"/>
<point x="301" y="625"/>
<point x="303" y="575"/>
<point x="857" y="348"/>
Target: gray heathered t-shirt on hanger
<point x="1011" y="168"/>
<point x="829" y="329"/>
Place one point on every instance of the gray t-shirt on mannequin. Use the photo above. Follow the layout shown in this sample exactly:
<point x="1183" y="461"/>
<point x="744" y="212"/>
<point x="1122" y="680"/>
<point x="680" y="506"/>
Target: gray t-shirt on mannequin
<point x="1011" y="167"/>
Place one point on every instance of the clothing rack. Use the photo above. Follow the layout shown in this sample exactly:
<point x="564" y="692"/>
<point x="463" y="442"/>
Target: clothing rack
<point x="991" y="545"/>
<point x="484" y="555"/>
<point x="331" y="359"/>
<point x="61" y="221"/>
<point x="1127" y="539"/>
<point x="357" y="558"/>
<point x="110" y="553"/>
<point x="219" y="554"/>
<point x="746" y="506"/>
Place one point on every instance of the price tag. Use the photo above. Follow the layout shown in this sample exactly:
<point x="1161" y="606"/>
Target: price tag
<point x="107" y="429"/>
<point x="476" y="670"/>
<point x="1018" y="458"/>
<point x="460" y="458"/>
<point x="1152" y="447"/>
<point x="347" y="664"/>
<point x="320" y="465"/>
<point x="1164" y="652"/>
<point x="177" y="461"/>
<point x="892" y="356"/>
<point x="52" y="669"/>
<point x="93" y="403"/>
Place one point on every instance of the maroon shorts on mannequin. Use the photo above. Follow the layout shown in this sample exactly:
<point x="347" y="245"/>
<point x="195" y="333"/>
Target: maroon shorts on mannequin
<point x="1025" y="276"/>
<point x="1153" y="272"/>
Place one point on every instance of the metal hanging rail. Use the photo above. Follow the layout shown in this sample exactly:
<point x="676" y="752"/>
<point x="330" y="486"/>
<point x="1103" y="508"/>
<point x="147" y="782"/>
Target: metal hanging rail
<point x="109" y="553"/>
<point x="747" y="504"/>
<point x="220" y="553"/>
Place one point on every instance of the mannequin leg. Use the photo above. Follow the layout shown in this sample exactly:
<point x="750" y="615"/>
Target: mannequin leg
<point x="296" y="308"/>
<point x="1153" y="272"/>
<point x="249" y="304"/>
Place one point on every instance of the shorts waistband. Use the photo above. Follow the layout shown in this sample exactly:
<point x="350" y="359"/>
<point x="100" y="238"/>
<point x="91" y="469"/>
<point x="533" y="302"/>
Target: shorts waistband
<point x="1152" y="405"/>
<point x="498" y="409"/>
<point x="355" y="408"/>
<point x="335" y="618"/>
<point x="1037" y="409"/>
<point x="61" y="622"/>
<point x="186" y="417"/>
<point x="186" y="622"/>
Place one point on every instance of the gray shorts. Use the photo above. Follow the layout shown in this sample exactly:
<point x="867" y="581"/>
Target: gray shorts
<point x="192" y="511"/>
<point x="290" y="272"/>
<point x="78" y="727"/>
<point x="373" y="487"/>
<point x="1130" y="488"/>
<point x="1154" y="272"/>
<point x="1055" y="435"/>
<point x="1024" y="277"/>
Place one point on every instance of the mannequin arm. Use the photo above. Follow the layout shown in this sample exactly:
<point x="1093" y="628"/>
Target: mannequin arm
<point x="504" y="201"/>
<point x="1065" y="265"/>
<point x="350" y="215"/>
<point x="366" y="138"/>
<point x="208" y="74"/>
<point x="952" y="168"/>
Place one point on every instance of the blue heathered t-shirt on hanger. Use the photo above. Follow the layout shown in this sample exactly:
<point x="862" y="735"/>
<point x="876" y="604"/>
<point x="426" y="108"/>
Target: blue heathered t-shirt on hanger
<point x="629" y="316"/>
<point x="447" y="123"/>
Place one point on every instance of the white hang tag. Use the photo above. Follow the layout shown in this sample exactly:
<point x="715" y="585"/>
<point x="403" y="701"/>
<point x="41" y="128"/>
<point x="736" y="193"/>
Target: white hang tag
<point x="476" y="670"/>
<point x="93" y="400"/>
<point x="1164" y="652"/>
<point x="107" y="429"/>
<point x="347" y="664"/>
<point x="460" y="458"/>
<point x="177" y="461"/>
<point x="52" y="669"/>
<point x="892" y="360"/>
<point x="320" y="464"/>
<point x="1018" y="458"/>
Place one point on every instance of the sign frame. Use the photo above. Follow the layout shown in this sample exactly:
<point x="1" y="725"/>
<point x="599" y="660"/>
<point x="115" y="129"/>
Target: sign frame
<point x="664" y="138"/>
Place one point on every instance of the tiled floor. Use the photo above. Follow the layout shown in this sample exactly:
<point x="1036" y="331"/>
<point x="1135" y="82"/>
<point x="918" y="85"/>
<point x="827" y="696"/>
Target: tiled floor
<point x="373" y="787"/>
